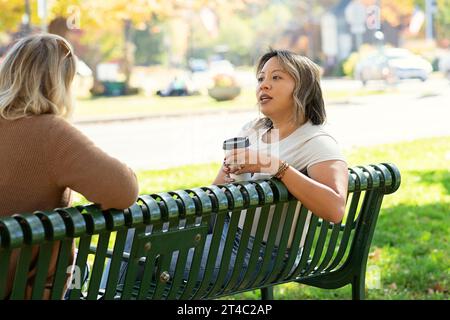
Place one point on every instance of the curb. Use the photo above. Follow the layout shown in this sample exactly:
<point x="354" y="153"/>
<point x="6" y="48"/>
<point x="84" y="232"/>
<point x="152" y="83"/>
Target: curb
<point x="137" y="117"/>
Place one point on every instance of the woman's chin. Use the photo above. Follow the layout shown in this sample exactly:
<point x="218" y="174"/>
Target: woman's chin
<point x="265" y="110"/>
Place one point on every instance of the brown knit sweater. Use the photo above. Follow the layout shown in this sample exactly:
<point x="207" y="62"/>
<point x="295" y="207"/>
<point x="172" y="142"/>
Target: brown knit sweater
<point x="43" y="158"/>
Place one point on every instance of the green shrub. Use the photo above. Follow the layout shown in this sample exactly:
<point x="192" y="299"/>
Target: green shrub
<point x="348" y="66"/>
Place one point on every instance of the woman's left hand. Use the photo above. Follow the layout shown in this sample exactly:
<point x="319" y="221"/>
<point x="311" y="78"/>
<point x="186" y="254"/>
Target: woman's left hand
<point x="251" y="161"/>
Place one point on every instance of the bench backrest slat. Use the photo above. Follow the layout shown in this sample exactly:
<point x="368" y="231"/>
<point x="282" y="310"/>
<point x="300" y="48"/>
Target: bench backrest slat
<point x="212" y="254"/>
<point x="194" y="267"/>
<point x="42" y="270"/>
<point x="331" y="247"/>
<point x="99" y="265"/>
<point x="348" y="228"/>
<point x="5" y="258"/>
<point x="242" y="251"/>
<point x="133" y="265"/>
<point x="81" y="261"/>
<point x="283" y="245"/>
<point x="21" y="275"/>
<point x="178" y="274"/>
<point x="295" y="248"/>
<point x="115" y="264"/>
<point x="274" y="224"/>
<point x="306" y="250"/>
<point x="318" y="247"/>
<point x="248" y="277"/>
<point x="63" y="262"/>
<point x="226" y="254"/>
<point x="162" y="266"/>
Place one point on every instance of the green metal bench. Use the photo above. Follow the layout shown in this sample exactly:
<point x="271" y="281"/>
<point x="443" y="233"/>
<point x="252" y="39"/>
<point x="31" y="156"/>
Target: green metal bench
<point x="332" y="255"/>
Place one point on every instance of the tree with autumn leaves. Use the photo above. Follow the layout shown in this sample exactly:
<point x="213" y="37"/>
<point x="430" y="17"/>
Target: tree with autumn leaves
<point x="101" y="30"/>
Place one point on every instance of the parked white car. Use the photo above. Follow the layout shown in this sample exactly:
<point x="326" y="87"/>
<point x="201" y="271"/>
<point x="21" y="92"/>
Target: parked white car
<point x="83" y="81"/>
<point x="221" y="67"/>
<point x="392" y="64"/>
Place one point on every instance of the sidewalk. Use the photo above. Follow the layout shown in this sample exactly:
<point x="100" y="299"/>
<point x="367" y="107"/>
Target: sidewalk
<point x="148" y="116"/>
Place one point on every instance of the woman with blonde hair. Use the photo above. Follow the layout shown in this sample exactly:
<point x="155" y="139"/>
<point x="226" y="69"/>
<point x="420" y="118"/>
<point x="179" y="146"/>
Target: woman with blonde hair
<point x="43" y="157"/>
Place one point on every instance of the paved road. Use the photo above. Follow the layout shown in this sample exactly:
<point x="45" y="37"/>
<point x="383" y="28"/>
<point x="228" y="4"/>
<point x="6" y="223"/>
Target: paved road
<point x="414" y="110"/>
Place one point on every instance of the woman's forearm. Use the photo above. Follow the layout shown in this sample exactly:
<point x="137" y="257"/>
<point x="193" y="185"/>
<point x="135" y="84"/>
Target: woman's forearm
<point x="317" y="197"/>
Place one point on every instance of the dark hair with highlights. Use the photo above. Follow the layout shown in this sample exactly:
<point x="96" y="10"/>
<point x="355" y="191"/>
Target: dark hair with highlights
<point x="309" y="104"/>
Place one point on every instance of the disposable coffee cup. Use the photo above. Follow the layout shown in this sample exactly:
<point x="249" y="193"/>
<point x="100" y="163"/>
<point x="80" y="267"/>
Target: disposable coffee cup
<point x="233" y="144"/>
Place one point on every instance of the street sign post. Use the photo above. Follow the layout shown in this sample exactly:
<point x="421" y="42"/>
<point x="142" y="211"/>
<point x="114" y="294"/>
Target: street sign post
<point x="329" y="34"/>
<point x="373" y="21"/>
<point x="355" y="14"/>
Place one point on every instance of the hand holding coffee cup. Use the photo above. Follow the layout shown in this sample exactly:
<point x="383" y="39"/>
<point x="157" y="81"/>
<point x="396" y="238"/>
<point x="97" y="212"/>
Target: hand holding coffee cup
<point x="233" y="145"/>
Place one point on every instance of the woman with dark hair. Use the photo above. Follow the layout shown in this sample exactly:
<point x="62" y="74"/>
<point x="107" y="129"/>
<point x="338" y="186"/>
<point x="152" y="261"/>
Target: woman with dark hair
<point x="290" y="141"/>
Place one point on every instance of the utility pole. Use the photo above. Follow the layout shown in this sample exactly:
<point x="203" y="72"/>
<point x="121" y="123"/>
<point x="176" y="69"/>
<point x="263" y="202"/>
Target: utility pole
<point x="379" y="15"/>
<point x="355" y="14"/>
<point x="373" y="22"/>
<point x="128" y="53"/>
<point x="42" y="13"/>
<point x="430" y="10"/>
<point x="26" y="19"/>
<point x="310" y="25"/>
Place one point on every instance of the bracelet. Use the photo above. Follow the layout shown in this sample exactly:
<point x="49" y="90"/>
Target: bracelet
<point x="281" y="170"/>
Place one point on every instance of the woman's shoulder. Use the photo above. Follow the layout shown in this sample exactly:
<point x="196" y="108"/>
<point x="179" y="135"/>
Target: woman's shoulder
<point x="38" y="124"/>
<point x="57" y="130"/>
<point x="305" y="133"/>
<point x="320" y="136"/>
<point x="310" y="130"/>
<point x="319" y="147"/>
<point x="56" y="124"/>
<point x="322" y="141"/>
<point x="53" y="118"/>
<point x="46" y="120"/>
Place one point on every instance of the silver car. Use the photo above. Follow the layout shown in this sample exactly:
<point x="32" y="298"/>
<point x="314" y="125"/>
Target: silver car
<point x="391" y="65"/>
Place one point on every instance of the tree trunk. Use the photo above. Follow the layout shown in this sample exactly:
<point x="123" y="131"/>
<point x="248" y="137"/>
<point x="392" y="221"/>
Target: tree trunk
<point x="128" y="54"/>
<point x="26" y="20"/>
<point x="58" y="26"/>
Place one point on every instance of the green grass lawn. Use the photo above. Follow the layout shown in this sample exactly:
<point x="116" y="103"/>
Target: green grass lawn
<point x="141" y="104"/>
<point x="411" y="243"/>
<point x="144" y="105"/>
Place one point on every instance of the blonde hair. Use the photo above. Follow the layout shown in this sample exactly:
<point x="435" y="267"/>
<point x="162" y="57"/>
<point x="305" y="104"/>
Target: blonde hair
<point x="36" y="76"/>
<point x="308" y="99"/>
